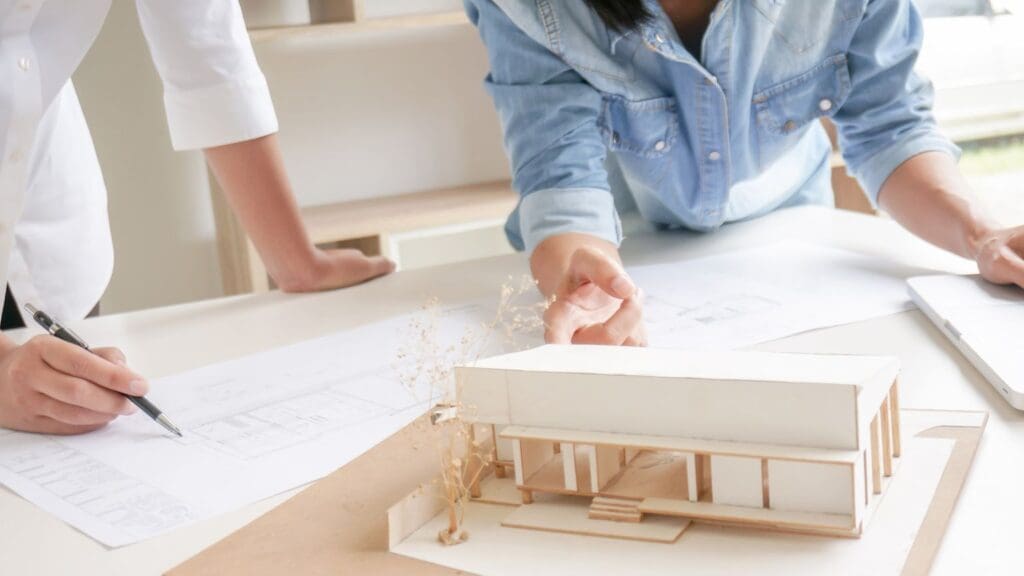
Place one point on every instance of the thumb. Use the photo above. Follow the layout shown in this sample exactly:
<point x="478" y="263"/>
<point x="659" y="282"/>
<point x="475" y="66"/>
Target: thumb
<point x="380" y="265"/>
<point x="592" y="265"/>
<point x="364" y="268"/>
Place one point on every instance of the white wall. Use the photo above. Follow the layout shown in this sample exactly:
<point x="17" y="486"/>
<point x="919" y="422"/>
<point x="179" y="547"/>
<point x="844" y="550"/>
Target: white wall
<point x="159" y="204"/>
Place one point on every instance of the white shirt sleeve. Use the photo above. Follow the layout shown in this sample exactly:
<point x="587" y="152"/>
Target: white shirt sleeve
<point x="214" y="91"/>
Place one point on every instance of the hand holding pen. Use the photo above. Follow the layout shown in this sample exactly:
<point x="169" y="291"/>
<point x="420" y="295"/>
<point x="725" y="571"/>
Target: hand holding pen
<point x="56" y="385"/>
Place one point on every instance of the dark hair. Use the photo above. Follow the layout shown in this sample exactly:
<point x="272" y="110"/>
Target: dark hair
<point x="621" y="15"/>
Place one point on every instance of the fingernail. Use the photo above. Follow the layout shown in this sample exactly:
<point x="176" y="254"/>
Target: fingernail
<point x="623" y="286"/>
<point x="138" y="387"/>
<point x="120" y="361"/>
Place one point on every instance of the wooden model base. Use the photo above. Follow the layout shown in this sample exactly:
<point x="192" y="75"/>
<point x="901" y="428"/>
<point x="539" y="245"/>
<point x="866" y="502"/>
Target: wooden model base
<point x="573" y="516"/>
<point x="912" y="515"/>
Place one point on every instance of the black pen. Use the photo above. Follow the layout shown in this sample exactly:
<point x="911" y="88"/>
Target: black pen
<point x="58" y="331"/>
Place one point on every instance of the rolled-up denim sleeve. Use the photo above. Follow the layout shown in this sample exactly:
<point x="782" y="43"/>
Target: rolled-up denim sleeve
<point x="549" y="118"/>
<point x="888" y="117"/>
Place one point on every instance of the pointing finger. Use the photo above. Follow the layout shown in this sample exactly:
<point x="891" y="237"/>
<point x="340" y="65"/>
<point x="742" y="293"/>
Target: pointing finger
<point x="592" y="265"/>
<point x="617" y="329"/>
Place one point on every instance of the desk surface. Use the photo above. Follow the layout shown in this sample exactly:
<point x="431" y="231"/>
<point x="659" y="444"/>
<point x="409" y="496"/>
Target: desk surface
<point x="982" y="537"/>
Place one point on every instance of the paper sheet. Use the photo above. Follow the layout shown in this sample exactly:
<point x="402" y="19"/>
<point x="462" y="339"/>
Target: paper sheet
<point x="253" y="427"/>
<point x="750" y="296"/>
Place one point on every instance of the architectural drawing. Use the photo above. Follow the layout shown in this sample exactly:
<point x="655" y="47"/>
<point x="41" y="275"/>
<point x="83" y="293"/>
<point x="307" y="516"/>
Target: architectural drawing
<point x="778" y="441"/>
<point x="254" y="427"/>
<point x="725" y="307"/>
<point x="744" y="297"/>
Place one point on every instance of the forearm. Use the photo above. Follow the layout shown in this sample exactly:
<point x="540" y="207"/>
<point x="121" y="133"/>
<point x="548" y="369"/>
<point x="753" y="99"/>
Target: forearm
<point x="928" y="196"/>
<point x="550" y="261"/>
<point x="253" y="178"/>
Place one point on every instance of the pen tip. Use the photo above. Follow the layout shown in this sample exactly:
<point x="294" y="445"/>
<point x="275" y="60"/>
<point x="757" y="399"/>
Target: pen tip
<point x="168" y="425"/>
<point x="31" y="309"/>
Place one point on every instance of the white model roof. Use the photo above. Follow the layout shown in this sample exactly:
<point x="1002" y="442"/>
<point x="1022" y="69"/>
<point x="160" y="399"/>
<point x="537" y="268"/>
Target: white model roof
<point x="823" y="401"/>
<point x="708" y="365"/>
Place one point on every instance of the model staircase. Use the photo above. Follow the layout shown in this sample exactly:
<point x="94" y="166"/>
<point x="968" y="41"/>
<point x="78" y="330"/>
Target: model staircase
<point x="615" y="508"/>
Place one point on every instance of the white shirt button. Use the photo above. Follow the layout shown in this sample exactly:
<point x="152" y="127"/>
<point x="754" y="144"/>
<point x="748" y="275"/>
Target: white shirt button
<point x="714" y="156"/>
<point x="659" y="145"/>
<point x="825" y="105"/>
<point x="24" y="63"/>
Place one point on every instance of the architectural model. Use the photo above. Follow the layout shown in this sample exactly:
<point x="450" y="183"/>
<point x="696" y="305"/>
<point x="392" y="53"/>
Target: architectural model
<point x="648" y="436"/>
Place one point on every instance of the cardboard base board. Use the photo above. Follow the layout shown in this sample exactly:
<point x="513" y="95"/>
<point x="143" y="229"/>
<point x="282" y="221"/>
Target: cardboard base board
<point x="901" y="537"/>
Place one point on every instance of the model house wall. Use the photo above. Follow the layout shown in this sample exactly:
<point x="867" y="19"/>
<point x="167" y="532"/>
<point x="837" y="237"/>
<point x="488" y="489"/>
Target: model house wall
<point x="781" y="440"/>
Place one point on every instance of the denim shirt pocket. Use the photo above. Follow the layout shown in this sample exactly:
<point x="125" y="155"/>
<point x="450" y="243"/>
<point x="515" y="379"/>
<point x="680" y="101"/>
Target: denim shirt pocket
<point x="641" y="133"/>
<point x="785" y="111"/>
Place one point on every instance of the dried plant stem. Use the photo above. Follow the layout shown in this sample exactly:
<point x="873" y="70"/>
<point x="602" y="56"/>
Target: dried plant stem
<point x="424" y="360"/>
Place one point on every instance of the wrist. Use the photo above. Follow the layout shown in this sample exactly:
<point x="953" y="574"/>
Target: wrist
<point x="551" y="259"/>
<point x="978" y="234"/>
<point x="302" y="272"/>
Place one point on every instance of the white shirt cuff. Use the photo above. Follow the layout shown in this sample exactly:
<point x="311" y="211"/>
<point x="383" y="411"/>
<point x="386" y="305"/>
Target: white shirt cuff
<point x="222" y="114"/>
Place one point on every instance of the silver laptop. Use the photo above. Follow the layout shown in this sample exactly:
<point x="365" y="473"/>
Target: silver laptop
<point x="984" y="321"/>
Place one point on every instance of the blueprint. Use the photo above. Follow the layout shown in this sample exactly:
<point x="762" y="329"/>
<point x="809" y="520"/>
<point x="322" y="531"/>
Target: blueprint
<point x="750" y="296"/>
<point x="253" y="427"/>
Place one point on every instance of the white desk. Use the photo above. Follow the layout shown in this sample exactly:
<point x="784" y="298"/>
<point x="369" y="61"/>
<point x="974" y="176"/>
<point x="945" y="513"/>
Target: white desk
<point x="982" y="539"/>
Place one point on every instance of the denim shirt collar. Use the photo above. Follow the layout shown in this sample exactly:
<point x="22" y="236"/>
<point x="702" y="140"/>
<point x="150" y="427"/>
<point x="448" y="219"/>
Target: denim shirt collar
<point x="659" y="34"/>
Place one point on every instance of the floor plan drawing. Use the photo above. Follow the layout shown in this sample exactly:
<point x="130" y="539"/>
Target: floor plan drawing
<point x="253" y="427"/>
<point x="750" y="296"/>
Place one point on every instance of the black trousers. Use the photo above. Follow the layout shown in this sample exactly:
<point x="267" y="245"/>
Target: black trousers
<point x="11" y="315"/>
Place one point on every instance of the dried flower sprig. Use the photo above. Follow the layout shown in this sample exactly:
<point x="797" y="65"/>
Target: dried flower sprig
<point x="426" y="362"/>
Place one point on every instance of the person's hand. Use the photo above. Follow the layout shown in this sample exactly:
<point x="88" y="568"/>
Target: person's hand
<point x="50" y="386"/>
<point x="339" y="268"/>
<point x="595" y="303"/>
<point x="1000" y="256"/>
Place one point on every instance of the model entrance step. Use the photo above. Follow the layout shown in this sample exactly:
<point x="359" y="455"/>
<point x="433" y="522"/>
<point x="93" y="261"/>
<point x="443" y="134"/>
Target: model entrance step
<point x="616" y="509"/>
<point x="836" y="524"/>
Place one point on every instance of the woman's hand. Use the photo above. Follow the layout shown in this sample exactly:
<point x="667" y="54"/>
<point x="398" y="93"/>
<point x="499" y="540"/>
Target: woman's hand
<point x="1000" y="256"/>
<point x="50" y="386"/>
<point x="336" y="268"/>
<point x="595" y="302"/>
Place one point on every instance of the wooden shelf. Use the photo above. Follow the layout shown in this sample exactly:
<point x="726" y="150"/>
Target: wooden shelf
<point x="372" y="25"/>
<point x="377" y="216"/>
<point x="361" y="223"/>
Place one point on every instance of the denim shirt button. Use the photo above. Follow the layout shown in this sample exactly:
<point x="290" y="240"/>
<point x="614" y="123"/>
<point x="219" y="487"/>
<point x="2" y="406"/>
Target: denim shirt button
<point x="659" y="145"/>
<point x="714" y="156"/>
<point x="660" y="39"/>
<point x="825" y="105"/>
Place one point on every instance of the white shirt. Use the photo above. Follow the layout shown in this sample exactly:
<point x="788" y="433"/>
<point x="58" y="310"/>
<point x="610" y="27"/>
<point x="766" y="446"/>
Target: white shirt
<point x="55" y="246"/>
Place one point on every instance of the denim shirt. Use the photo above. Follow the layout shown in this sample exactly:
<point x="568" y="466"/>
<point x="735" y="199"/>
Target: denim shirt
<point x="586" y="109"/>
